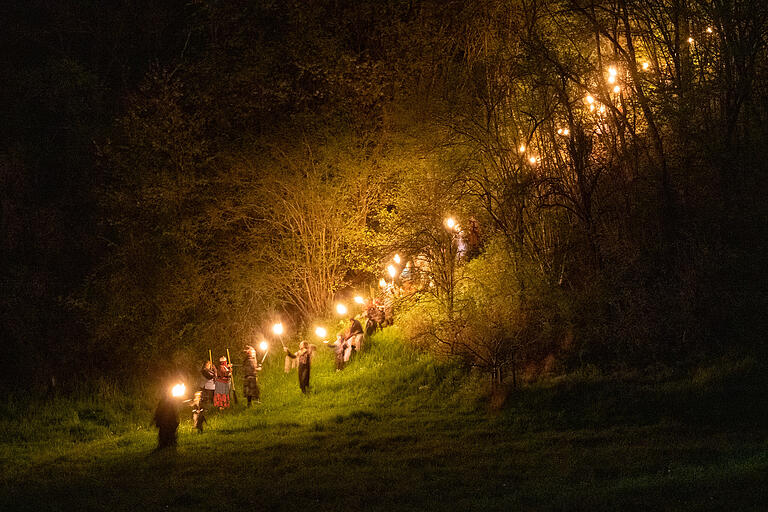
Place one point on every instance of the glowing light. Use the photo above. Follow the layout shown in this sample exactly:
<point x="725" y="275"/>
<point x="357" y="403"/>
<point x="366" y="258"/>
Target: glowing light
<point x="532" y="159"/>
<point x="358" y="299"/>
<point x="178" y="390"/>
<point x="521" y="148"/>
<point x="382" y="283"/>
<point x="612" y="71"/>
<point x="392" y="271"/>
<point x="559" y="131"/>
<point x="617" y="89"/>
<point x="450" y="223"/>
<point x="321" y="332"/>
<point x="566" y="131"/>
<point x="397" y="259"/>
<point x="591" y="108"/>
<point x="277" y="329"/>
<point x="709" y="30"/>
<point x="341" y="309"/>
<point x="690" y="40"/>
<point x="611" y="79"/>
<point x="646" y="65"/>
<point x="602" y="109"/>
<point x="590" y="99"/>
<point x="263" y="346"/>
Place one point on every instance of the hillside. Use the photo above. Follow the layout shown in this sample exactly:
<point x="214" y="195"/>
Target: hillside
<point x="399" y="431"/>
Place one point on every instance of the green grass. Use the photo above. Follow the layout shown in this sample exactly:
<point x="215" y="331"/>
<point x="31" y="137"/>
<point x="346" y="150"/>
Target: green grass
<point x="399" y="431"/>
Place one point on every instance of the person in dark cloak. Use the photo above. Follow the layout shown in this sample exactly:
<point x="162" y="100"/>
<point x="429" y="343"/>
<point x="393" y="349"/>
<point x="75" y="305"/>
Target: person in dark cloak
<point x="167" y="421"/>
<point x="251" y="367"/>
<point x="304" y="356"/>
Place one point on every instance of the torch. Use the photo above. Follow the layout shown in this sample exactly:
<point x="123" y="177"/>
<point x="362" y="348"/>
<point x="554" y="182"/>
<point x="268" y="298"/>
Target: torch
<point x="178" y="390"/>
<point x="264" y="346"/>
<point x="278" y="330"/>
<point x="231" y="378"/>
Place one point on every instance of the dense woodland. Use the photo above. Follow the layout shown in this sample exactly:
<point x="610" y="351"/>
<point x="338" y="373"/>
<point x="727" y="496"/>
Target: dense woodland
<point x="176" y="174"/>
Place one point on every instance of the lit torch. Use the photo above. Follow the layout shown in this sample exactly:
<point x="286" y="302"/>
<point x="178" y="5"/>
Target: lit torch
<point x="178" y="390"/>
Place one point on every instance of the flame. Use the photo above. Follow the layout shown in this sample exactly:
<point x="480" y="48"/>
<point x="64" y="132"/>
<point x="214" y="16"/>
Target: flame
<point x="277" y="329"/>
<point x="321" y="332"/>
<point x="178" y="390"/>
<point x="341" y="309"/>
<point x="263" y="346"/>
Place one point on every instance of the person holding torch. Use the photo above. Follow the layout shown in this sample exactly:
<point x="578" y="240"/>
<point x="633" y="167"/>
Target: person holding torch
<point x="251" y="366"/>
<point x="304" y="356"/>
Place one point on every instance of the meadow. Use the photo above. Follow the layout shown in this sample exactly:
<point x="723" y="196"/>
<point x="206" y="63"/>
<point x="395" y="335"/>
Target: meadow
<point x="398" y="430"/>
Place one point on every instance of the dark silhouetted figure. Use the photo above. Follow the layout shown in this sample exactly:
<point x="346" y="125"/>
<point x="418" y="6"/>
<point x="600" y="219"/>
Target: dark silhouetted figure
<point x="167" y="421"/>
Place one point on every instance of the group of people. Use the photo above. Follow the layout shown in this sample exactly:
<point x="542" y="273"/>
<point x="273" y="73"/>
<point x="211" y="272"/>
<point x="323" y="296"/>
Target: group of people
<point x="348" y="343"/>
<point x="216" y="387"/>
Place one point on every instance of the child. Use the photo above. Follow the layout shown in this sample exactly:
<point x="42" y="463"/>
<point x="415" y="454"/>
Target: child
<point x="198" y="413"/>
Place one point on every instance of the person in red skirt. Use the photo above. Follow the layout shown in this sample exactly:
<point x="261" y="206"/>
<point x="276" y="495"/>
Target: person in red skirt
<point x="223" y="378"/>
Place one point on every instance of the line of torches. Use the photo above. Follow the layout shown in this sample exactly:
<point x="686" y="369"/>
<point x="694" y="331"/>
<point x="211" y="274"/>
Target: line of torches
<point x="278" y="329"/>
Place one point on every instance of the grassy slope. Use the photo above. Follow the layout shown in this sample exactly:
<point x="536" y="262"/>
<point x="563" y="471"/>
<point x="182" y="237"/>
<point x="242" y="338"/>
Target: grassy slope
<point x="398" y="431"/>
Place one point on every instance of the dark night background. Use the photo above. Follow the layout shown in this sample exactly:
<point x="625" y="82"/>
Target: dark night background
<point x="151" y="154"/>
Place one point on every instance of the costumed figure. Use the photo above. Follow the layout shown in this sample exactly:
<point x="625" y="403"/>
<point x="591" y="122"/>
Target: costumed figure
<point x="304" y="357"/>
<point x="208" y="384"/>
<point x="198" y="413"/>
<point x="339" y="347"/>
<point x="355" y="335"/>
<point x="250" y="380"/>
<point x="167" y="420"/>
<point x="372" y="319"/>
<point x="223" y="378"/>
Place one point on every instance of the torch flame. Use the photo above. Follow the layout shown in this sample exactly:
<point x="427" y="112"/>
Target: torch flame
<point x="178" y="390"/>
<point x="263" y="346"/>
<point x="321" y="332"/>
